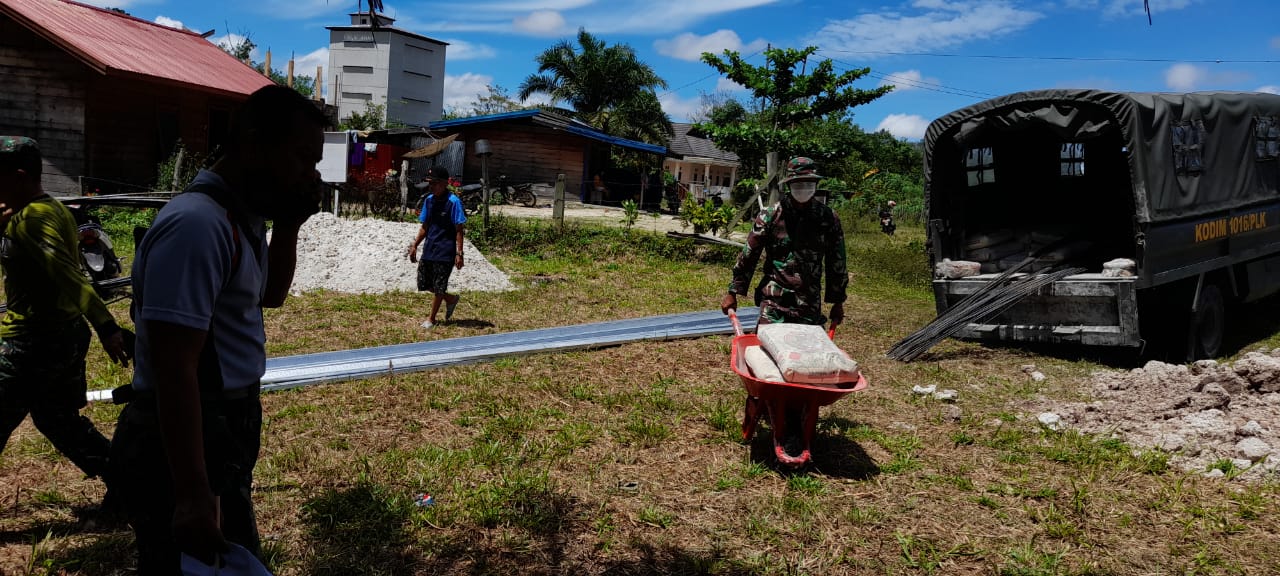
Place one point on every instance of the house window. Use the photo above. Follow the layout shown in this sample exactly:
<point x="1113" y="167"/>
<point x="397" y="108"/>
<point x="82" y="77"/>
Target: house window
<point x="357" y="69"/>
<point x="1266" y="130"/>
<point x="1188" y="153"/>
<point x="1072" y="159"/>
<point x="357" y="44"/>
<point x="979" y="163"/>
<point x="357" y="96"/>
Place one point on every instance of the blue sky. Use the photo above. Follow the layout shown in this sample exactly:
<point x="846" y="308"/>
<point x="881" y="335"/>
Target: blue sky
<point x="941" y="54"/>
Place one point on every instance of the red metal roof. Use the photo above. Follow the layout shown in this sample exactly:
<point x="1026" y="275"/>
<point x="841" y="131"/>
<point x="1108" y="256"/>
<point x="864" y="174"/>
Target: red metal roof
<point x="113" y="43"/>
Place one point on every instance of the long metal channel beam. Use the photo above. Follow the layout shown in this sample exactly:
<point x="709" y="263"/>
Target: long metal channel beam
<point x="308" y="369"/>
<point x="281" y="366"/>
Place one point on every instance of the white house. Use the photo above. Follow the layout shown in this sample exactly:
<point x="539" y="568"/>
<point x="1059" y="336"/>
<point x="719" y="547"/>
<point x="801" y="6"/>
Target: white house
<point x="698" y="165"/>
<point x="386" y="65"/>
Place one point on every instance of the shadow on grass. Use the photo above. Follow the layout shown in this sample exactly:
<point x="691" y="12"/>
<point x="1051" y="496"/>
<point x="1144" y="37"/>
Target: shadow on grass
<point x="471" y="323"/>
<point x="368" y="530"/>
<point x="831" y="453"/>
<point x="106" y="554"/>
<point x="358" y="530"/>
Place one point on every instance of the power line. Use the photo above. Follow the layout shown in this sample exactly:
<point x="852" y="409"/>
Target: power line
<point x="922" y="84"/>
<point x="1059" y="58"/>
<point x="705" y="78"/>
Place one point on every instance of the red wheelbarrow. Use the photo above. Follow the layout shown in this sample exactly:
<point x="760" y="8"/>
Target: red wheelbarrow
<point x="787" y="405"/>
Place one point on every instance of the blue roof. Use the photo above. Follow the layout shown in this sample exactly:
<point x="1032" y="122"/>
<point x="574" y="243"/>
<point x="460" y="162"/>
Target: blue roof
<point x="551" y="121"/>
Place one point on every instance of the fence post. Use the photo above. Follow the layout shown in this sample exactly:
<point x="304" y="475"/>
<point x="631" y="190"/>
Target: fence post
<point x="557" y="205"/>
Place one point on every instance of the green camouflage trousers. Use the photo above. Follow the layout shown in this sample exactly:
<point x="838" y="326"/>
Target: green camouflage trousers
<point x="43" y="375"/>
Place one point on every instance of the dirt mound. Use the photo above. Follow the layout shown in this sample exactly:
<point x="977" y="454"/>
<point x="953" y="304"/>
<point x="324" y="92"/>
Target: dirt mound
<point x="1202" y="414"/>
<point x="368" y="256"/>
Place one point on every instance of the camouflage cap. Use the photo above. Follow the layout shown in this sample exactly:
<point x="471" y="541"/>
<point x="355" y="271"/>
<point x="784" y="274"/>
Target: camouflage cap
<point x="19" y="153"/>
<point x="16" y="144"/>
<point x="801" y="168"/>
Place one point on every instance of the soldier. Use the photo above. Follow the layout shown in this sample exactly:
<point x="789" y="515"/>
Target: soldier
<point x="43" y="336"/>
<point x="800" y="239"/>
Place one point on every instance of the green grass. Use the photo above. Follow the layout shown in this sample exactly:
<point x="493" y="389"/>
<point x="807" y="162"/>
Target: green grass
<point x="628" y="459"/>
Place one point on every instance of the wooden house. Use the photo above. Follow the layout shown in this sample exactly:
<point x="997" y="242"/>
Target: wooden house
<point x="534" y="146"/>
<point x="108" y="96"/>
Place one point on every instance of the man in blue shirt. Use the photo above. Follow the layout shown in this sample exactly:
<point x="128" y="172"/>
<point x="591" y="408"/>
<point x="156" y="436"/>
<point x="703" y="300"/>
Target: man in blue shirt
<point x="186" y="445"/>
<point x="443" y="222"/>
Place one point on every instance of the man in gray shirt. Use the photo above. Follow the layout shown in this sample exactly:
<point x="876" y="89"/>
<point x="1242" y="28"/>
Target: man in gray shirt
<point x="186" y="445"/>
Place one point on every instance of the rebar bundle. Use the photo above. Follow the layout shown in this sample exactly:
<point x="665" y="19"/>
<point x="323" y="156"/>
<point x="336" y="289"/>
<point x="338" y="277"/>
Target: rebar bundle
<point x="990" y="300"/>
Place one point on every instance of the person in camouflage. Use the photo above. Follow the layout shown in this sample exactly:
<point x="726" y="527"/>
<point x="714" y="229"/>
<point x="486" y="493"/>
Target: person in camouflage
<point x="43" y="336"/>
<point x="800" y="239"/>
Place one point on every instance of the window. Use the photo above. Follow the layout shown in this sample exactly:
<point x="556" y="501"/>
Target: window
<point x="357" y="96"/>
<point x="357" y="69"/>
<point x="1072" y="159"/>
<point x="357" y="44"/>
<point x="1188" y="154"/>
<point x="1266" y="130"/>
<point x="979" y="163"/>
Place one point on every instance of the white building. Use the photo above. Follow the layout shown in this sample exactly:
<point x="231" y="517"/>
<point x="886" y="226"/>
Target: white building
<point x="386" y="65"/>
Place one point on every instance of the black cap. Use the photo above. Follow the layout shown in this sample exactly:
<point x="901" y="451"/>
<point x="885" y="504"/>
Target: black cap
<point x="437" y="173"/>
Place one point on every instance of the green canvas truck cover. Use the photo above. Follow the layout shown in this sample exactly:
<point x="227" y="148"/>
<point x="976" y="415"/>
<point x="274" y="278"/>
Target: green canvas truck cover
<point x="1189" y="154"/>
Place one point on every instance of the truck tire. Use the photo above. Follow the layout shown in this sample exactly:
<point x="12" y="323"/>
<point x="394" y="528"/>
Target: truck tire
<point x="1208" y="324"/>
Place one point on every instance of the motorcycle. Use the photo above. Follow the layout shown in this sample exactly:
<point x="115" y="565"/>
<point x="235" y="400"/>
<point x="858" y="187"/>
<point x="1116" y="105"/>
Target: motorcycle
<point x="97" y="253"/>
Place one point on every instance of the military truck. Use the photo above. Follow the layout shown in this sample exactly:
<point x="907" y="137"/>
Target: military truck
<point x="1169" y="202"/>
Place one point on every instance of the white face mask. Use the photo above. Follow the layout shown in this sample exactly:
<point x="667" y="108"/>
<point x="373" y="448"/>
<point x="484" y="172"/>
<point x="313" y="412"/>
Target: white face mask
<point x="803" y="192"/>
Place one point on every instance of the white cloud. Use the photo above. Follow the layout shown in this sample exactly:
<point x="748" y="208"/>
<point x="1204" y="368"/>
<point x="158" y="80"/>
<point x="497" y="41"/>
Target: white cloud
<point x="1269" y="89"/>
<point x="461" y="90"/>
<point x="689" y="46"/>
<point x="603" y="18"/>
<point x="541" y="23"/>
<point x="1125" y="8"/>
<point x="907" y="80"/>
<point x="305" y="65"/>
<point x="464" y="50"/>
<point x="679" y="109"/>
<point x="942" y="25"/>
<point x="909" y="126"/>
<point x="727" y="85"/>
<point x="170" y="22"/>
<point x="1187" y="77"/>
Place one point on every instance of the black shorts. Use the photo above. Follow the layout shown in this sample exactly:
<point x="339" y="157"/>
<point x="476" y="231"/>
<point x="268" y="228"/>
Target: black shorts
<point x="45" y="369"/>
<point x="433" y="276"/>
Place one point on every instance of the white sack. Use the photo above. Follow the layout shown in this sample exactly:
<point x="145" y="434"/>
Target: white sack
<point x="806" y="355"/>
<point x="761" y="365"/>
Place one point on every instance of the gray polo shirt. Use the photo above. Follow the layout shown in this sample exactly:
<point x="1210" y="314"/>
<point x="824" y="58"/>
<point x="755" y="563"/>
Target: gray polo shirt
<point x="183" y="274"/>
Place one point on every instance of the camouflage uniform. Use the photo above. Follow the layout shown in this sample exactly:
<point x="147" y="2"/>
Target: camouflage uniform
<point x="43" y="336"/>
<point x="799" y="243"/>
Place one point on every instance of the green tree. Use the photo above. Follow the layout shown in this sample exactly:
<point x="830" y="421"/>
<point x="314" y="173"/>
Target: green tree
<point x="603" y="85"/>
<point x="373" y="118"/>
<point x="800" y="113"/>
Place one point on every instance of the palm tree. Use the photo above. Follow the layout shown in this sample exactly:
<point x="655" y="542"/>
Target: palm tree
<point x="605" y="86"/>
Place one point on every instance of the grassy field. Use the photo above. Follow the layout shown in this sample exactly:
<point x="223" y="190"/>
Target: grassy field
<point x="627" y="460"/>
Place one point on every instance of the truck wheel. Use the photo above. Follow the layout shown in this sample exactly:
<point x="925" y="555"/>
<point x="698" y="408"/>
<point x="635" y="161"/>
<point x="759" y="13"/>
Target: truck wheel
<point x="1208" y="324"/>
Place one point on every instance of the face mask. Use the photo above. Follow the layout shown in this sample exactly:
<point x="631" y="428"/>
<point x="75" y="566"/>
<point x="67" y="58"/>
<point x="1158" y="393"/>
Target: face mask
<point x="802" y="192"/>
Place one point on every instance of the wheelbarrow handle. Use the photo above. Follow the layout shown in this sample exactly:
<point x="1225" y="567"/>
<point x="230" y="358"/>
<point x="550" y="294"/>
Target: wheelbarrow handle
<point x="737" y="326"/>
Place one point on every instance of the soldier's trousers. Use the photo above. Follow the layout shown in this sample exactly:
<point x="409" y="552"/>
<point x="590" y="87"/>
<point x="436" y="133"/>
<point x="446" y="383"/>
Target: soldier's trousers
<point x="43" y="375"/>
<point x="232" y="438"/>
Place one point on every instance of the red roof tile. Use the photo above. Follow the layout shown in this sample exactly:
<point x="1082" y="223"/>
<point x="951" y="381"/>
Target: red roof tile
<point x="114" y="43"/>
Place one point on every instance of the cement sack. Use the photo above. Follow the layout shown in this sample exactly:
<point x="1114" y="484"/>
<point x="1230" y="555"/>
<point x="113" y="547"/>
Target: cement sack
<point x="954" y="269"/>
<point x="983" y="240"/>
<point x="761" y="365"/>
<point x="1117" y="273"/>
<point x="993" y="253"/>
<point x="806" y="355"/>
<point x="1120" y="264"/>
